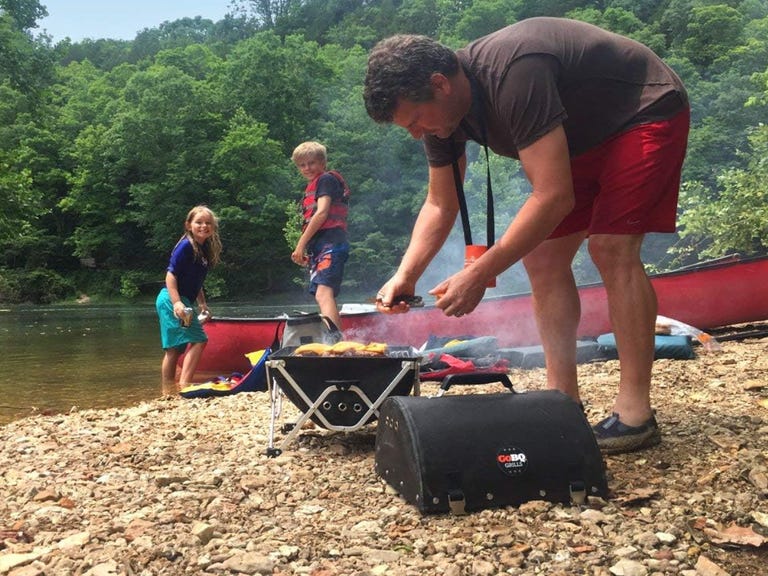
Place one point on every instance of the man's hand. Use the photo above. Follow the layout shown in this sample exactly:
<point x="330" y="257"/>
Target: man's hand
<point x="396" y="297"/>
<point x="460" y="294"/>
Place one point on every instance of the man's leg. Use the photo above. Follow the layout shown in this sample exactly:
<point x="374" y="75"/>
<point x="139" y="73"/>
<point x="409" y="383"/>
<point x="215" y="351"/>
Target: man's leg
<point x="632" y="307"/>
<point x="557" y="308"/>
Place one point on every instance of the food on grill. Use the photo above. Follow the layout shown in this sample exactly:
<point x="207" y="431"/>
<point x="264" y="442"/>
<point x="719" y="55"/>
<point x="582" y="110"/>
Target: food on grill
<point x="343" y="348"/>
<point x="346" y="347"/>
<point x="376" y="349"/>
<point x="311" y="349"/>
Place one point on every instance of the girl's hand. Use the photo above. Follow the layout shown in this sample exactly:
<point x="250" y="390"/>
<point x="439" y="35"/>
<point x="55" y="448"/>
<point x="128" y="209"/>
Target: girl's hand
<point x="178" y="309"/>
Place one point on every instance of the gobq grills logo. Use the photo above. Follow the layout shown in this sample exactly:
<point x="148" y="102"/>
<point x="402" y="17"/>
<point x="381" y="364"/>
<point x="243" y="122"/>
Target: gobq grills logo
<point x="512" y="461"/>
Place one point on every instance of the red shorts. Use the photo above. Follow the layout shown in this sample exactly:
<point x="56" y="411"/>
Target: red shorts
<point x="630" y="183"/>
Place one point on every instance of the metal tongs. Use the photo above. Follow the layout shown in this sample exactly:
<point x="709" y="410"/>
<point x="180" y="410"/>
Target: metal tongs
<point x="412" y="300"/>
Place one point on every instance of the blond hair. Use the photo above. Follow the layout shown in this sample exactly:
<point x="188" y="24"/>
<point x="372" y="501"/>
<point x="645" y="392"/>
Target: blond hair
<point x="307" y="150"/>
<point x="213" y="244"/>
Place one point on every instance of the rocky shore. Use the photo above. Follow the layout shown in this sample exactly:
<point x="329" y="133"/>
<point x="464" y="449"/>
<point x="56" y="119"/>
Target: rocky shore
<point x="179" y="487"/>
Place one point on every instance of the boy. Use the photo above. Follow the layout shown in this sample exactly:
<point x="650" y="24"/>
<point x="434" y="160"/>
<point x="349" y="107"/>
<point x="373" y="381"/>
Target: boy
<point x="323" y="245"/>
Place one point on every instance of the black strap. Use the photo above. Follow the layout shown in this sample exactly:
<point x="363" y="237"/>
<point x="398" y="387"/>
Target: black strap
<point x="460" y="194"/>
<point x="490" y="227"/>
<point x="477" y="101"/>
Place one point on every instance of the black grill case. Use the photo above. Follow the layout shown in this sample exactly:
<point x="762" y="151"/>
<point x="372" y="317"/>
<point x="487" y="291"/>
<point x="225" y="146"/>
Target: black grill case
<point x="468" y="452"/>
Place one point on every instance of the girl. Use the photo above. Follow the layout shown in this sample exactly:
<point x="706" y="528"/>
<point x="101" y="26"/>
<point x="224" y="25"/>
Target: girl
<point x="197" y="250"/>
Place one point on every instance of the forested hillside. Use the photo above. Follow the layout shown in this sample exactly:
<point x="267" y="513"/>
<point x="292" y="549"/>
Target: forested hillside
<point x="106" y="144"/>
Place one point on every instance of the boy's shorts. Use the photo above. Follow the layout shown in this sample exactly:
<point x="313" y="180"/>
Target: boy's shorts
<point x="171" y="332"/>
<point x="326" y="266"/>
<point x="630" y="184"/>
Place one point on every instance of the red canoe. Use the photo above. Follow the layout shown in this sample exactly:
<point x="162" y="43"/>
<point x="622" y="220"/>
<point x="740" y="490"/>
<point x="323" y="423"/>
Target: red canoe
<point x="727" y="291"/>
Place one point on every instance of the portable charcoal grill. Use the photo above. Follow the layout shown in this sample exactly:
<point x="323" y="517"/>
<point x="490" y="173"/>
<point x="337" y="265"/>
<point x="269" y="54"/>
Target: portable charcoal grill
<point x="339" y="393"/>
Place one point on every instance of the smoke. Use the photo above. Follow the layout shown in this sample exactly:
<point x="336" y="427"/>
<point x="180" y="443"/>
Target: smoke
<point x="510" y="189"/>
<point x="450" y="260"/>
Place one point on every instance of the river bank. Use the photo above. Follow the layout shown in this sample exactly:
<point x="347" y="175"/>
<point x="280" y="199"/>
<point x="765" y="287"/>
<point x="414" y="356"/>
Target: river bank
<point x="182" y="486"/>
<point x="101" y="355"/>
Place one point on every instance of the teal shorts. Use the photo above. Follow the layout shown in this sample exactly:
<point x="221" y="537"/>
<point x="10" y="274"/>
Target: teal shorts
<point x="171" y="332"/>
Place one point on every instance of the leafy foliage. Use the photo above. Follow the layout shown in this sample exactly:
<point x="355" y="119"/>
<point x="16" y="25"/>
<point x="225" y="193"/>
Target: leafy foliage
<point x="106" y="144"/>
<point x="733" y="218"/>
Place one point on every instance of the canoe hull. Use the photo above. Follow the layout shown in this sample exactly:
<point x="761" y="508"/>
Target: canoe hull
<point x="719" y="293"/>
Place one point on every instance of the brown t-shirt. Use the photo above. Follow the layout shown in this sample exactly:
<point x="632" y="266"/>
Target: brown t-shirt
<point x="541" y="72"/>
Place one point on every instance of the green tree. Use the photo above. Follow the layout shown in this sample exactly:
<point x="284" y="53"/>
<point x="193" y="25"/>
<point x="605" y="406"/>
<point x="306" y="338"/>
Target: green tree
<point x="105" y="54"/>
<point x="164" y="141"/>
<point x="530" y="8"/>
<point x="231" y="30"/>
<point x="175" y="34"/>
<point x="623" y="22"/>
<point x="140" y="171"/>
<point x="735" y="217"/>
<point x="26" y="63"/>
<point x="486" y="16"/>
<point x="267" y="13"/>
<point x="86" y="96"/>
<point x="277" y="82"/>
<point x="673" y="22"/>
<point x="97" y="200"/>
<point x="711" y="31"/>
<point x="256" y="177"/>
<point x="643" y="9"/>
<point x="31" y="148"/>
<point x="19" y="201"/>
<point x="196" y="60"/>
<point x="24" y="13"/>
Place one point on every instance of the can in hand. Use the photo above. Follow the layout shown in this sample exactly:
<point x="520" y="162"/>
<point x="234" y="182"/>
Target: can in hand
<point x="186" y="317"/>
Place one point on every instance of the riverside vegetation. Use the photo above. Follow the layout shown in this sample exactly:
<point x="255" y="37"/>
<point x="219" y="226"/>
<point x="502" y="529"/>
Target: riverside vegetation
<point x="105" y="144"/>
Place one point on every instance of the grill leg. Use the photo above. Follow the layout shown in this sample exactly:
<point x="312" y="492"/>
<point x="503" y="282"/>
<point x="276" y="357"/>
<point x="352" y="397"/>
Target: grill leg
<point x="276" y="405"/>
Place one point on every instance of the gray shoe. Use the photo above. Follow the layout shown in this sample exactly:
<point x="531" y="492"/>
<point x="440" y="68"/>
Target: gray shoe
<point x="615" y="437"/>
<point x="331" y="334"/>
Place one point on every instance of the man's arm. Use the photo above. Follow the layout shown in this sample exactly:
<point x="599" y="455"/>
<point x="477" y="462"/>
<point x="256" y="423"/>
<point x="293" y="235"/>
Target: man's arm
<point x="547" y="165"/>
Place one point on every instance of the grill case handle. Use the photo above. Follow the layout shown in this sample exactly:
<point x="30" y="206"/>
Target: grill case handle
<point x="471" y="378"/>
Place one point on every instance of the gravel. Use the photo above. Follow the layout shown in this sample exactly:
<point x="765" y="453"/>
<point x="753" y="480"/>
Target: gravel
<point x="179" y="486"/>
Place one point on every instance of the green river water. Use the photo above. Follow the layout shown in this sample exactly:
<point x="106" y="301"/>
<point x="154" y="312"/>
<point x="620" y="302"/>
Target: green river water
<point x="55" y="358"/>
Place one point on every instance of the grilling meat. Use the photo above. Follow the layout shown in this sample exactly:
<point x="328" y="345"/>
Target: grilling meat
<point x="343" y="348"/>
<point x="311" y="349"/>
